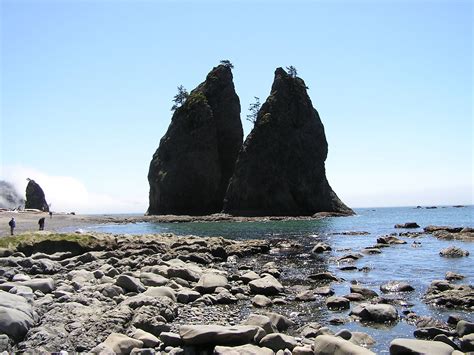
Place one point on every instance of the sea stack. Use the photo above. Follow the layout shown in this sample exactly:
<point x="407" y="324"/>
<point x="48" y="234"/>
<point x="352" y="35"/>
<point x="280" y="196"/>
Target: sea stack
<point x="35" y="197"/>
<point x="280" y="169"/>
<point x="190" y="170"/>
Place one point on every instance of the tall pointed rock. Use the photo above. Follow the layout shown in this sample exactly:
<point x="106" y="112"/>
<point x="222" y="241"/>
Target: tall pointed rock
<point x="191" y="168"/>
<point x="35" y="197"/>
<point x="280" y="169"/>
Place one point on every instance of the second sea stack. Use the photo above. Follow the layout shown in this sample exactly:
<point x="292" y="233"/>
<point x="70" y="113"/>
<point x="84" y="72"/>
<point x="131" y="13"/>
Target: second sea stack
<point x="191" y="168"/>
<point x="280" y="170"/>
<point x="35" y="197"/>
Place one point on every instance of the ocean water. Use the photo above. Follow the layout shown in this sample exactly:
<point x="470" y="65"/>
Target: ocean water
<point x="417" y="264"/>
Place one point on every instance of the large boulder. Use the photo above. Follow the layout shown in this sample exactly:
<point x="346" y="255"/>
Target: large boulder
<point x="415" y="346"/>
<point x="220" y="335"/>
<point x="280" y="169"/>
<point x="379" y="313"/>
<point x="35" y="197"/>
<point x="332" y="345"/>
<point x="267" y="285"/>
<point x="190" y="171"/>
<point x="16" y="315"/>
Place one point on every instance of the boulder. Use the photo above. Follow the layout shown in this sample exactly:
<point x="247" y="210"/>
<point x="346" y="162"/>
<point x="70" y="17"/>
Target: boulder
<point x="130" y="283"/>
<point x="332" y="345"/>
<point x="261" y="321"/>
<point x="401" y="346"/>
<point x="247" y="349"/>
<point x="407" y="225"/>
<point x="463" y="328"/>
<point x="170" y="339"/>
<point x="35" y="198"/>
<point x="396" y="286"/>
<point x="209" y="282"/>
<point x="467" y="343"/>
<point x="202" y="142"/>
<point x="151" y="279"/>
<point x="450" y="276"/>
<point x="278" y="341"/>
<point x="335" y="302"/>
<point x="453" y="252"/>
<point x="280" y="169"/>
<point x="281" y="322"/>
<point x="187" y="296"/>
<point x="249" y="276"/>
<point x="321" y="248"/>
<point x="379" y="313"/>
<point x="366" y="292"/>
<point x="161" y="291"/>
<point x="261" y="301"/>
<point x="121" y="344"/>
<point x="219" y="335"/>
<point x="390" y="239"/>
<point x="267" y="285"/>
<point x="46" y="285"/>
<point x="148" y="339"/>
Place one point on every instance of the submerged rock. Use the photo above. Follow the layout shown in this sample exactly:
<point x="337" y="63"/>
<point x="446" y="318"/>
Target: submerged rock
<point x="280" y="169"/>
<point x="190" y="171"/>
<point x="453" y="252"/>
<point x="35" y="197"/>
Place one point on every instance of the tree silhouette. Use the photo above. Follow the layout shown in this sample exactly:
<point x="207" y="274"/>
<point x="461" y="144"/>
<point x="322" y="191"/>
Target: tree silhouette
<point x="179" y="98"/>
<point x="254" y="108"/>
<point x="227" y="63"/>
<point x="292" y="71"/>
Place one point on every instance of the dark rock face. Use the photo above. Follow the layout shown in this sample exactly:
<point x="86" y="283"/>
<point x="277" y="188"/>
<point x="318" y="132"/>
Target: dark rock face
<point x="280" y="169"/>
<point x="190" y="171"/>
<point x="9" y="197"/>
<point x="35" y="197"/>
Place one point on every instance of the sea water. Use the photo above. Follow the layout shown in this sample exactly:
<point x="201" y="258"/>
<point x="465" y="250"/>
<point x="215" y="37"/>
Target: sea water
<point x="416" y="263"/>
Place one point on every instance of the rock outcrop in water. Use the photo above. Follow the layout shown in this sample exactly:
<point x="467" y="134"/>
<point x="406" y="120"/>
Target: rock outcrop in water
<point x="190" y="171"/>
<point x="280" y="169"/>
<point x="9" y="197"/>
<point x="35" y="197"/>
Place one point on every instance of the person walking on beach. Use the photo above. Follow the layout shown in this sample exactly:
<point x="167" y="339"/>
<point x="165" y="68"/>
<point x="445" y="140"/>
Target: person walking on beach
<point x="12" y="225"/>
<point x="50" y="214"/>
<point x="41" y="223"/>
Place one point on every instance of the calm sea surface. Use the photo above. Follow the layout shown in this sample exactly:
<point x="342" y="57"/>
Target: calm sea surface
<point x="417" y="264"/>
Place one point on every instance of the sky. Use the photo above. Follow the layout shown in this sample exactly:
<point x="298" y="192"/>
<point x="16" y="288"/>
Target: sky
<point x="87" y="87"/>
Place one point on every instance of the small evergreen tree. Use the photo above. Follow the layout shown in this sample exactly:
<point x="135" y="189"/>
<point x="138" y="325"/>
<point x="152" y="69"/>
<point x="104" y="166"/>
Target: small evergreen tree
<point x="254" y="108"/>
<point x="292" y="71"/>
<point x="227" y="63"/>
<point x="179" y="98"/>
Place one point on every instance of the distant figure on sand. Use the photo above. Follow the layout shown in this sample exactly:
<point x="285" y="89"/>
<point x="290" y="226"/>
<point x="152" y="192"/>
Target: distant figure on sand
<point x="50" y="214"/>
<point x="12" y="225"/>
<point x="41" y="223"/>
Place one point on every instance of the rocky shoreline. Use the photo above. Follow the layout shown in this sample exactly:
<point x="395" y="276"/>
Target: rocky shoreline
<point x="166" y="294"/>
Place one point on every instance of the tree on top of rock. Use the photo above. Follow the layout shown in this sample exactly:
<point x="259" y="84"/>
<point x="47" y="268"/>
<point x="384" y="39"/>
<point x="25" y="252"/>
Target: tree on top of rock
<point x="292" y="71"/>
<point x="227" y="63"/>
<point x="179" y="98"/>
<point x="254" y="108"/>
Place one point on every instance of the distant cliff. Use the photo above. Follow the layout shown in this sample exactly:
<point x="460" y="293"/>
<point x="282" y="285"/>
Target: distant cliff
<point x="280" y="169"/>
<point x="9" y="197"/>
<point x="35" y="197"/>
<point x="190" y="170"/>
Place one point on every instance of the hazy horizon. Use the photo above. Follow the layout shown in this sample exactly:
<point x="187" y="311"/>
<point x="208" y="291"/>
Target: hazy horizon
<point x="86" y="90"/>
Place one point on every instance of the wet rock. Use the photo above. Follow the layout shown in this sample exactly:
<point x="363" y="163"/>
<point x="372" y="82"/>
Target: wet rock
<point x="467" y="343"/>
<point x="407" y="225"/>
<point x="430" y="332"/>
<point x="130" y="284"/>
<point x="261" y="321"/>
<point x="371" y="251"/>
<point x="396" y="286"/>
<point x="219" y="335"/>
<point x="323" y="276"/>
<point x="225" y="297"/>
<point x="205" y="129"/>
<point x="261" y="301"/>
<point x="463" y="328"/>
<point x="378" y="313"/>
<point x="390" y="239"/>
<point x="366" y="292"/>
<point x="247" y="349"/>
<point x="401" y="346"/>
<point x="335" y="302"/>
<point x="267" y="285"/>
<point x="431" y="229"/>
<point x="355" y="297"/>
<point x="324" y="291"/>
<point x="209" y="282"/>
<point x="344" y="334"/>
<point x="306" y="296"/>
<point x="444" y="294"/>
<point x="278" y="341"/>
<point x="330" y="345"/>
<point x="445" y="339"/>
<point x="321" y="248"/>
<point x="450" y="276"/>
<point x="453" y="252"/>
<point x="362" y="339"/>
<point x="309" y="330"/>
<point x="249" y="276"/>
<point x="280" y="169"/>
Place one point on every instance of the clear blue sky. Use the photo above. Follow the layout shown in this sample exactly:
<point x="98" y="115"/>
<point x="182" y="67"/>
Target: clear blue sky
<point x="86" y="89"/>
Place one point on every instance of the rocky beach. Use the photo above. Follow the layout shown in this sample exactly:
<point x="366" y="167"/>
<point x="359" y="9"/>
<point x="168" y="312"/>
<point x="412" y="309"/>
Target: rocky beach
<point x="170" y="294"/>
